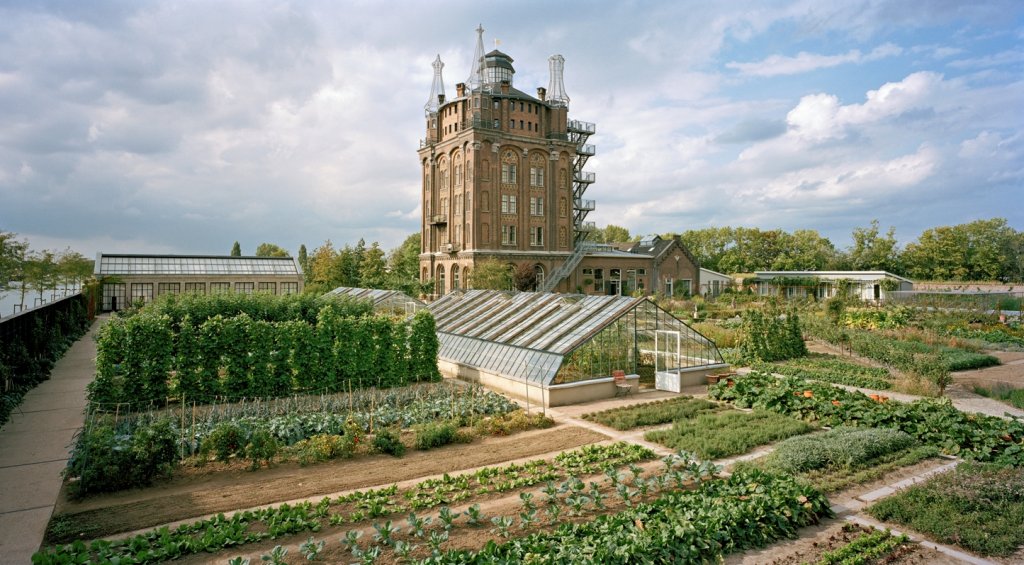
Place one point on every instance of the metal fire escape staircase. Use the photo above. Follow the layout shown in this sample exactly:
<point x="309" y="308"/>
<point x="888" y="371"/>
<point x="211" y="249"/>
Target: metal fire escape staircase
<point x="579" y="132"/>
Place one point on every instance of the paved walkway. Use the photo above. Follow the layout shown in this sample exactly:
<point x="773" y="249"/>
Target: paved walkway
<point x="34" y="449"/>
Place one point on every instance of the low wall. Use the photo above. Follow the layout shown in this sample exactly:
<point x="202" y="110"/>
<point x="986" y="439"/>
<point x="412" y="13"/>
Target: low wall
<point x="534" y="394"/>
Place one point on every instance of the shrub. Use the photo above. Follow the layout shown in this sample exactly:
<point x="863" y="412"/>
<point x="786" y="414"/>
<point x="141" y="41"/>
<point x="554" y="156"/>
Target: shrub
<point x="516" y="421"/>
<point x="225" y="440"/>
<point x="319" y="448"/>
<point x="107" y="460"/>
<point x="262" y="447"/>
<point x="435" y="434"/>
<point x="388" y="441"/>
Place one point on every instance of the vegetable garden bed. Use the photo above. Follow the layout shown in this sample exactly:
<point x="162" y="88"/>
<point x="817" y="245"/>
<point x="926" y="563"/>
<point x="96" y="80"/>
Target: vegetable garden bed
<point x="114" y="453"/>
<point x="834" y="460"/>
<point x="978" y="507"/>
<point x="652" y="413"/>
<point x="246" y="527"/>
<point x="721" y="434"/>
<point x="828" y="368"/>
<point x="930" y="421"/>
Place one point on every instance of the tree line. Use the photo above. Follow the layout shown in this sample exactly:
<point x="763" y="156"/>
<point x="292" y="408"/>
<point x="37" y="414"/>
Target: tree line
<point x="989" y="250"/>
<point x="39" y="271"/>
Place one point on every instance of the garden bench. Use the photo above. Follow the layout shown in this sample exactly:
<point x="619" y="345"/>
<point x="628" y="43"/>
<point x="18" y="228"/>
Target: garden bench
<point x="622" y="387"/>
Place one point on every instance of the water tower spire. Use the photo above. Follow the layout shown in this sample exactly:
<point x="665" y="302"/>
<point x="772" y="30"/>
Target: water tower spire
<point x="476" y="74"/>
<point x="556" y="88"/>
<point x="436" y="89"/>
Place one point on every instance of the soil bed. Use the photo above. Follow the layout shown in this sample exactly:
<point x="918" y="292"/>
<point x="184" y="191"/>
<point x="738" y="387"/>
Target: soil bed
<point x="830" y="536"/>
<point x="199" y="492"/>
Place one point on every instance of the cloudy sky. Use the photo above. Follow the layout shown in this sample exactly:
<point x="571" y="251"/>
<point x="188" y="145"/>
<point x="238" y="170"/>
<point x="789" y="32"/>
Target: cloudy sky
<point x="180" y="127"/>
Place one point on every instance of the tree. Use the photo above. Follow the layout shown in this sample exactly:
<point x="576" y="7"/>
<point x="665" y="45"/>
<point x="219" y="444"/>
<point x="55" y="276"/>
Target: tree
<point x="12" y="257"/>
<point x="373" y="268"/>
<point x="236" y="250"/>
<point x="304" y="261"/>
<point x="321" y="267"/>
<point x="524" y="277"/>
<point x="73" y="268"/>
<point x="615" y="234"/>
<point x="872" y="252"/>
<point x="980" y="250"/>
<point x="709" y="245"/>
<point x="40" y="273"/>
<point x="268" y="250"/>
<point x="805" y="250"/>
<point x="403" y="267"/>
<point x="491" y="274"/>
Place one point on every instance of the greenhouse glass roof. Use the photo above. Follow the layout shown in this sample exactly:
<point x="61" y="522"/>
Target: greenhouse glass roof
<point x="391" y="300"/>
<point x="527" y="336"/>
<point x="107" y="264"/>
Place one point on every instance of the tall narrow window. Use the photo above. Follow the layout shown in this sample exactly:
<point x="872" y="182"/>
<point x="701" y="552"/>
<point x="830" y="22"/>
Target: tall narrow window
<point x="508" y="235"/>
<point x="537" y="206"/>
<point x="536" y="236"/>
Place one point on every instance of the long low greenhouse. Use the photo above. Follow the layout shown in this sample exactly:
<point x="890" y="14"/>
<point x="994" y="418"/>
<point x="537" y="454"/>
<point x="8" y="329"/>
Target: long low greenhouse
<point x="557" y="349"/>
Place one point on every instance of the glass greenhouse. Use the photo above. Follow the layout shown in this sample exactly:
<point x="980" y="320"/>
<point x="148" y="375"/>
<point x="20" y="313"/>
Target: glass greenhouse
<point x="384" y="301"/>
<point x="546" y="339"/>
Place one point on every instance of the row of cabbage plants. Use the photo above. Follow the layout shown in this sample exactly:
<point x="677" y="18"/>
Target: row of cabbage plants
<point x="115" y="452"/>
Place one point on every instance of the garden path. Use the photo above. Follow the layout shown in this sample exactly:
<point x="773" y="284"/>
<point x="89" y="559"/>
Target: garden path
<point x="35" y="446"/>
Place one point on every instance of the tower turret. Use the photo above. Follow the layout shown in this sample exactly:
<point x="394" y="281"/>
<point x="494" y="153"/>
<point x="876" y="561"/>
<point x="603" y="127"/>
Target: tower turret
<point x="436" y="89"/>
<point x="498" y="69"/>
<point x="556" y="87"/>
<point x="476" y="74"/>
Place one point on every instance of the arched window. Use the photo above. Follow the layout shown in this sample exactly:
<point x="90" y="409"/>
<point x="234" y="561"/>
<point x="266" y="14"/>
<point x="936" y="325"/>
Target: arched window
<point x="466" y="280"/>
<point x="538" y="271"/>
<point x="455" y="277"/>
<point x="509" y="166"/>
<point x="439" y="287"/>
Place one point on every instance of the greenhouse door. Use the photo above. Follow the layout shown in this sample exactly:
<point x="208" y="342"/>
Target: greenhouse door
<point x="666" y="361"/>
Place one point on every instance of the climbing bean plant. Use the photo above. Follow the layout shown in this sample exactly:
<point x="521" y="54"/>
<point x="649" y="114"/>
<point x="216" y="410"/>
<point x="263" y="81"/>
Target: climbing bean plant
<point x="153" y="356"/>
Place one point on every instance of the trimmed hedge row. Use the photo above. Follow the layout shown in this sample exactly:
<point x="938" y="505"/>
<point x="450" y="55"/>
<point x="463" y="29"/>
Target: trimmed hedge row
<point x="148" y="357"/>
<point x="32" y="342"/>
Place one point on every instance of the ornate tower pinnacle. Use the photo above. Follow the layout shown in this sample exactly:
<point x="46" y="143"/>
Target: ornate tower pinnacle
<point x="436" y="89"/>
<point x="476" y="74"/>
<point x="556" y="88"/>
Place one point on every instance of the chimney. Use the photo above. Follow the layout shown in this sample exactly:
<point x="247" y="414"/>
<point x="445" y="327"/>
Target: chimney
<point x="460" y="89"/>
<point x="505" y="85"/>
<point x="541" y="93"/>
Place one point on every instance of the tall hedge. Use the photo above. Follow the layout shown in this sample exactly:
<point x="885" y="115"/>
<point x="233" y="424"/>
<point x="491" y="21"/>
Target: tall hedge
<point x="30" y="343"/>
<point x="423" y="347"/>
<point x="152" y="356"/>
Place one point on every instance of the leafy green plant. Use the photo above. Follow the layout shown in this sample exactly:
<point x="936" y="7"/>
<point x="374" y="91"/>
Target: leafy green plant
<point x="750" y="509"/>
<point x="388" y="441"/>
<point x="929" y="421"/>
<point x="435" y="434"/>
<point x="276" y="556"/>
<point x="771" y="336"/>
<point x="311" y="549"/>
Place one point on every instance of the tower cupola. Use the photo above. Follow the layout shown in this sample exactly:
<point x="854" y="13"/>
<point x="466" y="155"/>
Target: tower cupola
<point x="498" y="68"/>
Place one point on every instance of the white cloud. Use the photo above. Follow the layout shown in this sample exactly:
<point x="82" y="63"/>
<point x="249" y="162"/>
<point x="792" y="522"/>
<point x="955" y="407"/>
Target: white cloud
<point x="777" y="65"/>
